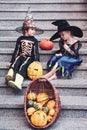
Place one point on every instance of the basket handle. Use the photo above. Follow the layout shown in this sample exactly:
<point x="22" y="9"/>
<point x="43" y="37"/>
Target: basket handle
<point x="42" y="79"/>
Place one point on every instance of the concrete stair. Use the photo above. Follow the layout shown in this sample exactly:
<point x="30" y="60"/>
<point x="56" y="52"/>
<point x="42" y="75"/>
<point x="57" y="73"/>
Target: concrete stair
<point x="73" y="92"/>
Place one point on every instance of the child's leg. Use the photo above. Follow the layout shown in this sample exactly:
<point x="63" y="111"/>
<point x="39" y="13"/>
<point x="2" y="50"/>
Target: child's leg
<point x="49" y="74"/>
<point x="24" y="66"/>
<point x="52" y="62"/>
<point x="20" y="75"/>
<point x="53" y="77"/>
<point x="13" y="68"/>
<point x="17" y="63"/>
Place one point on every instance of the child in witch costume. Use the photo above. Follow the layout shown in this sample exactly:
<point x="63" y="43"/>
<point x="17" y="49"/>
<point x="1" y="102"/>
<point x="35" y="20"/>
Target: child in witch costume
<point x="66" y="59"/>
<point x="26" y="51"/>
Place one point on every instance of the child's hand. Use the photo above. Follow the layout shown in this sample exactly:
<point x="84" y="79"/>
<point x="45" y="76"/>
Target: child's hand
<point x="8" y="65"/>
<point x="60" y="54"/>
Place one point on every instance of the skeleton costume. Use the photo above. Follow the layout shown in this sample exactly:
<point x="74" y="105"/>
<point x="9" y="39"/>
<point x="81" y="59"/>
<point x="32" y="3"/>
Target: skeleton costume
<point x="26" y="51"/>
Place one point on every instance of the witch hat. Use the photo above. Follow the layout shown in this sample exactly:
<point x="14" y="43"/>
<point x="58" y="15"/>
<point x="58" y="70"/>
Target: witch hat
<point x="28" y="23"/>
<point x="63" y="25"/>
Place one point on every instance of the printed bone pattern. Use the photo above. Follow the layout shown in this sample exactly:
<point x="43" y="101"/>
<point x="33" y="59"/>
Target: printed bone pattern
<point x="26" y="47"/>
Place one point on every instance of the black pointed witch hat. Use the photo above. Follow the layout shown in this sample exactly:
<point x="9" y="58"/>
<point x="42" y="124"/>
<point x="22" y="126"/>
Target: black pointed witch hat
<point x="63" y="25"/>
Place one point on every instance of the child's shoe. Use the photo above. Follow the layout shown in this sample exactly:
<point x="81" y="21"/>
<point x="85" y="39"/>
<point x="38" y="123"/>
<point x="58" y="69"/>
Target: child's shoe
<point x="17" y="83"/>
<point x="9" y="75"/>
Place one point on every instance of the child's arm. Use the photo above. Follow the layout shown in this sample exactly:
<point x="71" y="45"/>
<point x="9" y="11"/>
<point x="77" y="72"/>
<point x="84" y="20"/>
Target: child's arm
<point x="14" y="55"/>
<point x="16" y="51"/>
<point x="36" y="52"/>
<point x="69" y="50"/>
<point x="76" y="48"/>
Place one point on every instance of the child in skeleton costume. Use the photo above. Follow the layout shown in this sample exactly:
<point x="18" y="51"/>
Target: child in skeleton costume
<point x="26" y="51"/>
<point x="66" y="59"/>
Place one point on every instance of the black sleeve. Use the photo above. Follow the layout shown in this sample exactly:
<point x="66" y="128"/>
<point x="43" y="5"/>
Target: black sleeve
<point x="61" y="48"/>
<point x="16" y="51"/>
<point x="36" y="52"/>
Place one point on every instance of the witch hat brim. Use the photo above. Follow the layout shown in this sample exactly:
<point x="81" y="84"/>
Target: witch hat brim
<point x="76" y="31"/>
<point x="38" y="31"/>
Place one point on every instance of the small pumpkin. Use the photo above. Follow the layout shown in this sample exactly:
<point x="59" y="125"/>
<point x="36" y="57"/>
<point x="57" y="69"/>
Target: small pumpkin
<point x="31" y="96"/>
<point x="30" y="111"/>
<point x="46" y="44"/>
<point x="39" y="118"/>
<point x="35" y="70"/>
<point x="51" y="104"/>
<point x="52" y="112"/>
<point x="49" y="118"/>
<point x="42" y="97"/>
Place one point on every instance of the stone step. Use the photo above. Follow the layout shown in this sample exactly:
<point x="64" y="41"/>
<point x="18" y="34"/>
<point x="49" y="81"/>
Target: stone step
<point x="43" y="7"/>
<point x="44" y="15"/>
<point x="83" y="66"/>
<point x="13" y="39"/>
<point x="67" y="102"/>
<point x="79" y="72"/>
<point x="10" y="119"/>
<point x="75" y="83"/>
<point x="11" y="44"/>
<point x="5" y="35"/>
<point x="44" y="24"/>
<point x="42" y="1"/>
<point x="76" y="74"/>
<point x="46" y="34"/>
<point x="63" y="114"/>
<point x="9" y="51"/>
<point x="13" y="123"/>
<point x="63" y="91"/>
<point x="6" y="54"/>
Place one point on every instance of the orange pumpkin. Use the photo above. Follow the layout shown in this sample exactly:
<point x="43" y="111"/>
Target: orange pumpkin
<point x="49" y="118"/>
<point x="52" y="112"/>
<point x="51" y="104"/>
<point x="30" y="111"/>
<point x="35" y="70"/>
<point x="39" y="118"/>
<point x="46" y="44"/>
<point x="31" y="96"/>
<point x="42" y="97"/>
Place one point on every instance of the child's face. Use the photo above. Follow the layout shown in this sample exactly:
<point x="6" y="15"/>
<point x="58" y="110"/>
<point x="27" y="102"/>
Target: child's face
<point x="65" y="35"/>
<point x="30" y="31"/>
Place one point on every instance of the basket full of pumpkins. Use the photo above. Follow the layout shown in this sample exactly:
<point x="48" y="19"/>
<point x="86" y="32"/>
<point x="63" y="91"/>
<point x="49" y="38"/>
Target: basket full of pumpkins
<point x="41" y="103"/>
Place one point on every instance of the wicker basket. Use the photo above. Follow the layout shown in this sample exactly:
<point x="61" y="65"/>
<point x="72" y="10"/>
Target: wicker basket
<point x="43" y="85"/>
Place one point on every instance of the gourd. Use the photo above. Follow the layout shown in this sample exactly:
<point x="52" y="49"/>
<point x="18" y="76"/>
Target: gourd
<point x="46" y="44"/>
<point x="49" y="118"/>
<point x="31" y="96"/>
<point x="52" y="112"/>
<point x="45" y="109"/>
<point x="42" y="97"/>
<point x="39" y="118"/>
<point x="37" y="105"/>
<point x="51" y="104"/>
<point x="30" y="103"/>
<point x="30" y="111"/>
<point x="35" y="70"/>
